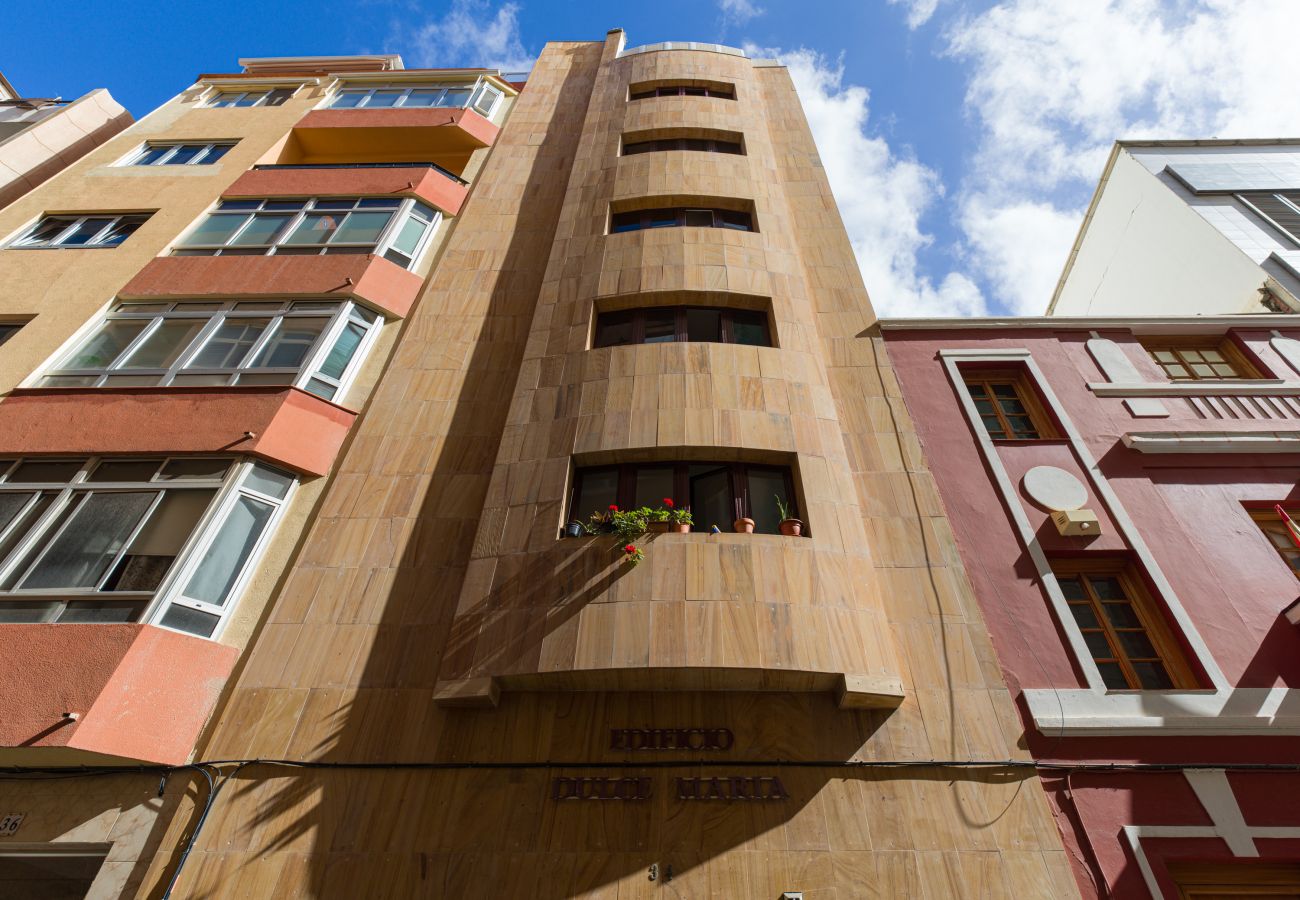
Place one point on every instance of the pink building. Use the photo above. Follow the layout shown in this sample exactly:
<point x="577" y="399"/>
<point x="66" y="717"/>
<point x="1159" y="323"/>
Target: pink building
<point x="1113" y="485"/>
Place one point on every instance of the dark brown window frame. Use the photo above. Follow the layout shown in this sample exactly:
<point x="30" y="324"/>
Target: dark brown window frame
<point x="1270" y="524"/>
<point x="717" y="91"/>
<point x="739" y="480"/>
<point x="695" y="145"/>
<point x="640" y="219"/>
<point x="638" y="316"/>
<point x="1150" y="618"/>
<point x="1178" y="345"/>
<point x="986" y="379"/>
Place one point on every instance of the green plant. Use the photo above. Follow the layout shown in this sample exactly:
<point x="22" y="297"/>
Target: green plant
<point x="681" y="517"/>
<point x="629" y="523"/>
<point x="782" y="509"/>
<point x="633" y="554"/>
<point x="658" y="515"/>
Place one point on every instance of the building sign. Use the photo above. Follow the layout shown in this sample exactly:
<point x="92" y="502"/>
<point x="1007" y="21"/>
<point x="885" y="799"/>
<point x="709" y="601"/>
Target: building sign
<point x="9" y="824"/>
<point x="726" y="788"/>
<point x="671" y="739"/>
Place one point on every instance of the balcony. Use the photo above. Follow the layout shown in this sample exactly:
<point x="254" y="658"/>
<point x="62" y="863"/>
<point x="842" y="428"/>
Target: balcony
<point x="282" y="425"/>
<point x="139" y="693"/>
<point x="428" y="181"/>
<point x="342" y="135"/>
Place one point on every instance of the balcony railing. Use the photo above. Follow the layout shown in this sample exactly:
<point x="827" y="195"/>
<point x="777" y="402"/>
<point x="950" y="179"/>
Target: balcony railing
<point x="369" y="165"/>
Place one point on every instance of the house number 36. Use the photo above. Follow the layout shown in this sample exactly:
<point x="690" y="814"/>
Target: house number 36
<point x="9" y="824"/>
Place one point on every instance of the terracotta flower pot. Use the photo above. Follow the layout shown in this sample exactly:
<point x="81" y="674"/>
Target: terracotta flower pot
<point x="679" y="527"/>
<point x="791" y="527"/>
<point x="743" y="526"/>
<point x="658" y="527"/>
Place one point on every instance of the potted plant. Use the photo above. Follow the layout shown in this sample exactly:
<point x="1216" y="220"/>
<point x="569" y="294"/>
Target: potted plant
<point x="790" y="526"/>
<point x="659" y="519"/>
<point x="574" y="528"/>
<point x="743" y="525"/>
<point x="679" y="520"/>
<point x="601" y="522"/>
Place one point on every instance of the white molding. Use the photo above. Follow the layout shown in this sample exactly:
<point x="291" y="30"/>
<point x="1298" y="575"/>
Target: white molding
<point x="1213" y="442"/>
<point x="1136" y="324"/>
<point x="1263" y="387"/>
<point x="1101" y="487"/>
<point x="1078" y="712"/>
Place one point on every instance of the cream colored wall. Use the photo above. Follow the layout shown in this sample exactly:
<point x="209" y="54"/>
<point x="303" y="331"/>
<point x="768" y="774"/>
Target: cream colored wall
<point x="1147" y="253"/>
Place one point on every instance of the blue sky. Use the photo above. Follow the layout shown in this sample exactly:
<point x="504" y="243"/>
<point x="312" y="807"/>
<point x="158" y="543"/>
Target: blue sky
<point x="962" y="137"/>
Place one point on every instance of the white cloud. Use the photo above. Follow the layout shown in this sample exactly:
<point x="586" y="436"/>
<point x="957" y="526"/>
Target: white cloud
<point x="1054" y="84"/>
<point x="918" y="11"/>
<point x="739" y="11"/>
<point x="472" y="33"/>
<point x="881" y="195"/>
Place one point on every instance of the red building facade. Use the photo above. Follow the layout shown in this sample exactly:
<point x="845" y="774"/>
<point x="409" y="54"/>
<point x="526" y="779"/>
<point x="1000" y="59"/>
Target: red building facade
<point x="1114" y="487"/>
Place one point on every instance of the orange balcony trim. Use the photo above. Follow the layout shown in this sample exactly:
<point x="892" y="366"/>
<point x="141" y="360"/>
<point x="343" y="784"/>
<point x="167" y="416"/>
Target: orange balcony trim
<point x="427" y="184"/>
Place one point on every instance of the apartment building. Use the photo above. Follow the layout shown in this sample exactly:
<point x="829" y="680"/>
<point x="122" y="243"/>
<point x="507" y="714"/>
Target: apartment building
<point x="368" y="359"/>
<point x="1121" y="477"/>
<point x="1182" y="228"/>
<point x="40" y="136"/>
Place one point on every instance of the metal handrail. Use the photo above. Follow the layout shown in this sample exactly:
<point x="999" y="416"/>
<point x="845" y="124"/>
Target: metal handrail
<point x="369" y="165"/>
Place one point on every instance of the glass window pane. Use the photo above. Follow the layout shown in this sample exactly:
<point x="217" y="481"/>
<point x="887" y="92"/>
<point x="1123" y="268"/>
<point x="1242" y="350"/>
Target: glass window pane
<point x="214" y="153"/>
<point x="1137" y="645"/>
<point x="125" y="470"/>
<point x="271" y="482"/>
<point x="455" y="97"/>
<point x="45" y="231"/>
<point x="184" y="154"/>
<point x="1072" y="588"/>
<point x="321" y="389"/>
<point x="336" y="361"/>
<point x="151" y="155"/>
<point x="164" y="345"/>
<point x="84" y="232"/>
<point x="711" y="499"/>
<point x="614" y="329"/>
<point x="1121" y="615"/>
<point x="264" y="229"/>
<point x="25" y="522"/>
<point x="278" y="96"/>
<point x="1098" y="646"/>
<point x="225" y="557"/>
<point x="12" y="611"/>
<point x="100" y="612"/>
<point x="191" y="621"/>
<point x="597" y="489"/>
<point x="152" y="552"/>
<point x="660" y="325"/>
<point x="11" y="503"/>
<point x="765" y="486"/>
<point x="80" y="556"/>
<point x="383" y="99"/>
<point x="120" y="231"/>
<point x="1106" y="587"/>
<point x="197" y="468"/>
<point x="54" y="471"/>
<point x="249" y="99"/>
<point x="348" y="99"/>
<point x="215" y="229"/>
<point x="227" y="348"/>
<point x="106" y="345"/>
<point x="653" y="484"/>
<point x="748" y="327"/>
<point x="1153" y="676"/>
<point x="362" y="227"/>
<point x="315" y="228"/>
<point x="704" y="325"/>
<point x="289" y="346"/>
<point x="408" y="237"/>
<point x="1084" y="615"/>
<point x="1113" y="676"/>
<point x="422" y="97"/>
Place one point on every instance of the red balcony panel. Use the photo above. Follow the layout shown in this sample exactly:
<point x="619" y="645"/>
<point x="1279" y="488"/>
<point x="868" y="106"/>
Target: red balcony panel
<point x="290" y="427"/>
<point x="140" y="692"/>
<point x="428" y="184"/>
<point x="371" y="279"/>
<point x="343" y="135"/>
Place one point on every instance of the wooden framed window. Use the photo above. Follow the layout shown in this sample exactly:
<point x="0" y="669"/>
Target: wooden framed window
<point x="1236" y="880"/>
<point x="1124" y="631"/>
<point x="717" y="493"/>
<point x="1007" y="406"/>
<point x="667" y="324"/>
<point x="1190" y="358"/>
<point x="1275" y="530"/>
<point x="679" y="216"/>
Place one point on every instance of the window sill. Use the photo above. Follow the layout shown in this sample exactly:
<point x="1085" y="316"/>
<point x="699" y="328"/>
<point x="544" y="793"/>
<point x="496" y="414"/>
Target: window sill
<point x="1079" y="712"/>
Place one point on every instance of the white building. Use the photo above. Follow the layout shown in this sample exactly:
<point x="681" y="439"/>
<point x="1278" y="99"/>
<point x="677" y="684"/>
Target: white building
<point x="1180" y="228"/>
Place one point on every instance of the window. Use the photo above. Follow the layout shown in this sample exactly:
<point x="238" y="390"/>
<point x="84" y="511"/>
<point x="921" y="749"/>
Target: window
<point x="665" y="324"/>
<point x="644" y="92"/>
<point x="716" y="493"/>
<point x="55" y="871"/>
<point x="1007" y="407"/>
<point x="1281" y="209"/>
<point x="672" y="217"/>
<point x="391" y="227"/>
<point x="699" y="144"/>
<point x="77" y="231"/>
<point x="1123" y="630"/>
<point x="1276" y="531"/>
<point x="166" y="540"/>
<point x="313" y="344"/>
<point x="481" y="97"/>
<point x="161" y="154"/>
<point x="1198" y="359"/>
<point x="8" y="330"/>
<point x="252" y="98"/>
<point x="1244" y="880"/>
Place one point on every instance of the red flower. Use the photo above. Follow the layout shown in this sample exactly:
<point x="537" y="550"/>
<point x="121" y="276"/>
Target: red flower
<point x="630" y="548"/>
<point x="613" y="507"/>
<point x="668" y="502"/>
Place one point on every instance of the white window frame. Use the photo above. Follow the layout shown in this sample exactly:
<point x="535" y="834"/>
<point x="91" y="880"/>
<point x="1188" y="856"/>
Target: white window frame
<point x="477" y="90"/>
<point x="155" y="603"/>
<point x="226" y="98"/>
<point x="341" y="313"/>
<point x="133" y="159"/>
<point x="406" y="209"/>
<point x="74" y="223"/>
